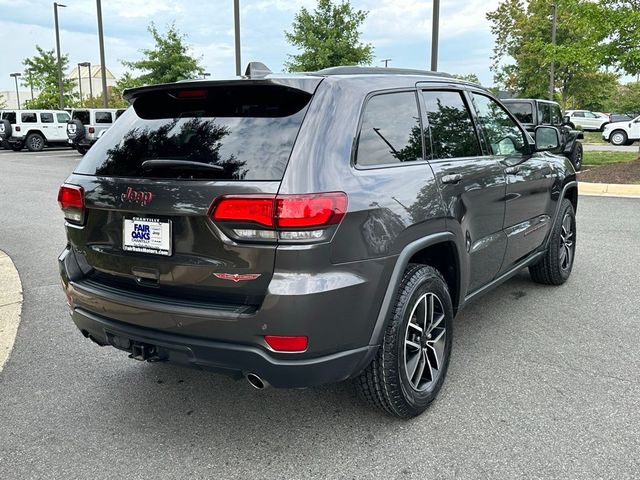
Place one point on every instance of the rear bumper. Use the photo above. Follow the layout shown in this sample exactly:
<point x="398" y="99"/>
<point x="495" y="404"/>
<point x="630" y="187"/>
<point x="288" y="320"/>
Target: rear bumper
<point x="227" y="358"/>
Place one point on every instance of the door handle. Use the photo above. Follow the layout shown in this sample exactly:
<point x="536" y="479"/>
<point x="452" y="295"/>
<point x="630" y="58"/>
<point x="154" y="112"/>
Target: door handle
<point x="512" y="170"/>
<point x="453" y="178"/>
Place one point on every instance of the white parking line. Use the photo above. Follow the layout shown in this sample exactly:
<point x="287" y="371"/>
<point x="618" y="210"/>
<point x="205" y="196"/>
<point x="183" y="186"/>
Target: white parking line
<point x="77" y="155"/>
<point x="10" y="306"/>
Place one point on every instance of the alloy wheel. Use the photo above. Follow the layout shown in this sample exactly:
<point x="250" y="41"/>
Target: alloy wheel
<point x="424" y="343"/>
<point x="566" y="242"/>
<point x="36" y="143"/>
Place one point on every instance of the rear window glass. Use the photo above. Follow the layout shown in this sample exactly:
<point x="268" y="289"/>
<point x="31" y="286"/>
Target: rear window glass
<point x="28" y="118"/>
<point x="523" y="111"/>
<point x="83" y="116"/>
<point x="103" y="117"/>
<point x="242" y="133"/>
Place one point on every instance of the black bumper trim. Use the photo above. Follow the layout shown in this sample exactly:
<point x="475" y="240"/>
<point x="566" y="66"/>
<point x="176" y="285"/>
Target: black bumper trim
<point x="235" y="360"/>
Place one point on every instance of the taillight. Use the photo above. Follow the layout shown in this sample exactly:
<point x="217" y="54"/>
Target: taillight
<point x="92" y="130"/>
<point x="292" y="217"/>
<point x="287" y="344"/>
<point x="17" y="128"/>
<point x="71" y="201"/>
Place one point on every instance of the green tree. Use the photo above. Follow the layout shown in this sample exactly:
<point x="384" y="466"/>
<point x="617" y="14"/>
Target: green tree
<point x="3" y="103"/>
<point x="593" y="91"/>
<point x="626" y="99"/>
<point x="127" y="80"/>
<point x="41" y="73"/>
<point x="622" y="20"/>
<point x="523" y="34"/>
<point x="168" y="61"/>
<point x="328" y="37"/>
<point x="469" y="77"/>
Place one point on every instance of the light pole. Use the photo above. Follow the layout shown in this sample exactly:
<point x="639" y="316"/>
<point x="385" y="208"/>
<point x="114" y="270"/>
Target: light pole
<point x="55" y="17"/>
<point x="31" y="85"/>
<point x="236" y="22"/>
<point x="386" y="61"/>
<point x="88" y="65"/>
<point x="80" y="83"/>
<point x="434" y="35"/>
<point x="105" y="97"/>
<point x="552" y="70"/>
<point x="15" y="77"/>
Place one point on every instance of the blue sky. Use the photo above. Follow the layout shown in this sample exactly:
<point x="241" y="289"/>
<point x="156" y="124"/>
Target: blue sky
<point x="398" y="29"/>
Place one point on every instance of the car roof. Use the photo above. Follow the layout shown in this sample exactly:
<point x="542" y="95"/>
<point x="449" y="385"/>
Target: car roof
<point x="539" y="100"/>
<point x="376" y="78"/>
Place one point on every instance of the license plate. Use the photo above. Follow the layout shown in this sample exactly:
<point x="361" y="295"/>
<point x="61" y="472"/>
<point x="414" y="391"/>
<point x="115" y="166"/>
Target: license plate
<point x="147" y="235"/>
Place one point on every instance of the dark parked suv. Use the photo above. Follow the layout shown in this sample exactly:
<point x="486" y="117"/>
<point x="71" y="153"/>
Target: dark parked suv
<point x="303" y="229"/>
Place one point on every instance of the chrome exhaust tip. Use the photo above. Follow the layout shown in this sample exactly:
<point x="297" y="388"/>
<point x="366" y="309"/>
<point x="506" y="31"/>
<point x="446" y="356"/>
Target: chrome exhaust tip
<point x="256" y="382"/>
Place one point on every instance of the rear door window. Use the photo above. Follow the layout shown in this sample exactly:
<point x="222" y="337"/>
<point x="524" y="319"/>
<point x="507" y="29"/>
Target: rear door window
<point x="244" y="132"/>
<point x="103" y="117"/>
<point x="83" y="116"/>
<point x="29" y="117"/>
<point x="451" y="129"/>
<point x="46" y="117"/>
<point x="391" y="131"/>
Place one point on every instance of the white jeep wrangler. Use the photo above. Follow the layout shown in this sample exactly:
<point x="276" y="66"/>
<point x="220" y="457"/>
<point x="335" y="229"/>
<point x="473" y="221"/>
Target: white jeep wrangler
<point x="34" y="129"/>
<point x="88" y="124"/>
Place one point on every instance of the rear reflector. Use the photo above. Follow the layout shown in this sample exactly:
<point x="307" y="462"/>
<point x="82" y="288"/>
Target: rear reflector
<point x="287" y="344"/>
<point x="71" y="201"/>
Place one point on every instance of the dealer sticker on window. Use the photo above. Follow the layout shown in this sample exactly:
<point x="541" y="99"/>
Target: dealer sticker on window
<point x="147" y="235"/>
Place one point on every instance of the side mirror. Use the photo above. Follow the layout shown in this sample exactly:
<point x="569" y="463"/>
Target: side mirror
<point x="547" y="138"/>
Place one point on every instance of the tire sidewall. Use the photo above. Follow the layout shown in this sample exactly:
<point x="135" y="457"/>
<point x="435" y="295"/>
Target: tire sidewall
<point x="577" y="156"/>
<point x="430" y="282"/>
<point x="623" y="136"/>
<point x="30" y="138"/>
<point x="555" y="243"/>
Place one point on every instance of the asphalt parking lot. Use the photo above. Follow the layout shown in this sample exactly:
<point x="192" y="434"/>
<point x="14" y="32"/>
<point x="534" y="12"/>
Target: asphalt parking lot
<point x="544" y="381"/>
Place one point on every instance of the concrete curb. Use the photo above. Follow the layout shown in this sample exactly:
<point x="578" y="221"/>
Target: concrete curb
<point x="609" y="189"/>
<point x="10" y="306"/>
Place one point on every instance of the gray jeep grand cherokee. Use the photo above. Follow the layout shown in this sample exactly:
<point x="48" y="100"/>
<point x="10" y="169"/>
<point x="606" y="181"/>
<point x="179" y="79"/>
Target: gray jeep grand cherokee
<point x="298" y="230"/>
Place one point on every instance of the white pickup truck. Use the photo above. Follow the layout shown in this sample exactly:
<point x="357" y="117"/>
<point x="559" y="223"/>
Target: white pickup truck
<point x="622" y="133"/>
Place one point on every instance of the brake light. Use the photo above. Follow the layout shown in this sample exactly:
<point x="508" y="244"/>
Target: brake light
<point x="92" y="130"/>
<point x="17" y="128"/>
<point x="71" y="201"/>
<point x="287" y="344"/>
<point x="294" y="217"/>
<point x="197" y="93"/>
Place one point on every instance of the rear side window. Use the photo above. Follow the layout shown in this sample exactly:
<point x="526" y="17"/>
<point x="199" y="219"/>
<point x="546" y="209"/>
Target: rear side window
<point x="578" y="114"/>
<point x="83" y="116"/>
<point x="544" y="114"/>
<point x="46" y="117"/>
<point x="523" y="111"/>
<point x="62" y="117"/>
<point x="119" y="113"/>
<point x="391" y="132"/>
<point x="103" y="117"/>
<point x="247" y="131"/>
<point x="451" y="128"/>
<point x="28" y="118"/>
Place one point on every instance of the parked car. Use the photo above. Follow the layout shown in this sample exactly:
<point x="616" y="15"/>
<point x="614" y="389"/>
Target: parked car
<point x="87" y="124"/>
<point x="34" y="129"/>
<point x="587" y="120"/>
<point x="533" y="112"/>
<point x="622" y="133"/>
<point x="307" y="229"/>
<point x="622" y="117"/>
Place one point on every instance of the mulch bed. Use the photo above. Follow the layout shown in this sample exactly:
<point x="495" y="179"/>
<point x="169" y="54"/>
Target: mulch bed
<point x="628" y="172"/>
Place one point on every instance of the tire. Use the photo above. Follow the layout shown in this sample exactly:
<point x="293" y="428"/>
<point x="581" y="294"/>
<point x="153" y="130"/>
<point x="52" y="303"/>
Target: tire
<point x="82" y="150"/>
<point x="628" y="143"/>
<point x="16" y="148"/>
<point x="557" y="263"/>
<point x="5" y="129"/>
<point x="34" y="142"/>
<point x="576" y="156"/>
<point x="75" y="130"/>
<point x="390" y="383"/>
<point x="618" y="138"/>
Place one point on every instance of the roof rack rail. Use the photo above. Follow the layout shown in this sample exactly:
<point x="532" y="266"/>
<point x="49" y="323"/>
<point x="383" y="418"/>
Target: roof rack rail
<point x="350" y="70"/>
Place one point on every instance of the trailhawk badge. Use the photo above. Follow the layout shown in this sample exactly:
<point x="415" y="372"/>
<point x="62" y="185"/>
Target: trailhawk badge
<point x="234" y="277"/>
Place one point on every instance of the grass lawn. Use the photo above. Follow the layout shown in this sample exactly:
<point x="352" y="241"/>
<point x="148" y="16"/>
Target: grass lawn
<point x="595" y="159"/>
<point x="593" y="137"/>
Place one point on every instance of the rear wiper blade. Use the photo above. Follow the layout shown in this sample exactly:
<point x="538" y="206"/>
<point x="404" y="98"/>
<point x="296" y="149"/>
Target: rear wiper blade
<point x="180" y="165"/>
